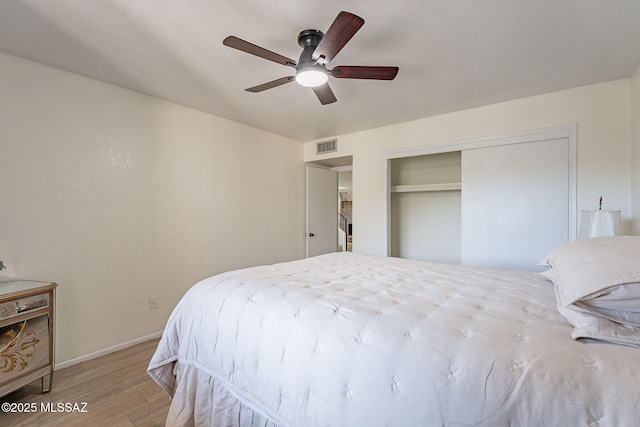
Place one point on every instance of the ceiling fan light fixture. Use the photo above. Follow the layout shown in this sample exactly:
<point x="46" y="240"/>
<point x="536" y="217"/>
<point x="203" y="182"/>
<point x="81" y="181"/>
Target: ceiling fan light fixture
<point x="311" y="76"/>
<point x="318" y="49"/>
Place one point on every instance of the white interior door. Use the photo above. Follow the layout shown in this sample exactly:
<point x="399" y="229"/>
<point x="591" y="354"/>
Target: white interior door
<point x="515" y="203"/>
<point x="322" y="211"/>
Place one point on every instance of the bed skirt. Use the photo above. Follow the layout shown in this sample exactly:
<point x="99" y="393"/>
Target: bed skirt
<point x="200" y="400"/>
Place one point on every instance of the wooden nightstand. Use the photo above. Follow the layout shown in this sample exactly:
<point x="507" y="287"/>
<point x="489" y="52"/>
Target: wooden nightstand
<point x="26" y="334"/>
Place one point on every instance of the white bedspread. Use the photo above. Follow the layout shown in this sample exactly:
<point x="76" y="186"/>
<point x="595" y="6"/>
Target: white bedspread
<point x="355" y="340"/>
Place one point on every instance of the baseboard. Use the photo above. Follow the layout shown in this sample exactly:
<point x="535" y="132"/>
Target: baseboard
<point x="104" y="351"/>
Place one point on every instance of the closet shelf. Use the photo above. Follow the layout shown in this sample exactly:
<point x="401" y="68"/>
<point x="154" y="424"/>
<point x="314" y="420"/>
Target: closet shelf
<point x="416" y="188"/>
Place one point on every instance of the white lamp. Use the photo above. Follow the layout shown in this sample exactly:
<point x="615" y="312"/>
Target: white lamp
<point x="599" y="223"/>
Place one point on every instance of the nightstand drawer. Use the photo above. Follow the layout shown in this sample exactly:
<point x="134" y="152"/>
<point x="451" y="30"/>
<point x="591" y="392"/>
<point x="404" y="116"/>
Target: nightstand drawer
<point x="27" y="310"/>
<point x="23" y="305"/>
<point x="24" y="347"/>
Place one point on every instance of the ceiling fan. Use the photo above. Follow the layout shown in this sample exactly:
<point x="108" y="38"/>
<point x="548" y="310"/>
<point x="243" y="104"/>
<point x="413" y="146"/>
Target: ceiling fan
<point x="318" y="49"/>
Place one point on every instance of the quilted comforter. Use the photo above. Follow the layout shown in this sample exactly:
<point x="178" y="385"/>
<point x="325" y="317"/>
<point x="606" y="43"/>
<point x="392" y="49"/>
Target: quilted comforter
<point x="355" y="340"/>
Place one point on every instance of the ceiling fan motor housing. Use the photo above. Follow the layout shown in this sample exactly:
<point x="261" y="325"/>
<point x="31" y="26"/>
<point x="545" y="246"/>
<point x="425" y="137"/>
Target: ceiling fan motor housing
<point x="309" y="40"/>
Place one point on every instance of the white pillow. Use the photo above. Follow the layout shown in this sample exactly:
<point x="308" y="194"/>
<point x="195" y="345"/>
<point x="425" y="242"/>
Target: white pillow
<point x="597" y="284"/>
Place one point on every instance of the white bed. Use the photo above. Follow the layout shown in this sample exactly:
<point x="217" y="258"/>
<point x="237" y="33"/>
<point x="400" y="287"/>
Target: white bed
<point x="354" y="340"/>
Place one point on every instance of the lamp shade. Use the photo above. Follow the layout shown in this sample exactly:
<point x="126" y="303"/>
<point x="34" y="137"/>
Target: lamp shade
<point x="599" y="224"/>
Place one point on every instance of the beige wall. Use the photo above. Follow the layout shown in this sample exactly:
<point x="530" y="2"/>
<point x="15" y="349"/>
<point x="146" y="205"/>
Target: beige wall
<point x="601" y="112"/>
<point x="119" y="196"/>
<point x="635" y="144"/>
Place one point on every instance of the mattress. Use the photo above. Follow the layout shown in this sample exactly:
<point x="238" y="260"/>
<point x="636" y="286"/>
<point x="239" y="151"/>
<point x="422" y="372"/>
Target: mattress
<point x="347" y="339"/>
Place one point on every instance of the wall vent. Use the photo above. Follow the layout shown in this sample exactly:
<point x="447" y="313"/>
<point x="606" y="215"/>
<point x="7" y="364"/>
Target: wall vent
<point x="327" y="146"/>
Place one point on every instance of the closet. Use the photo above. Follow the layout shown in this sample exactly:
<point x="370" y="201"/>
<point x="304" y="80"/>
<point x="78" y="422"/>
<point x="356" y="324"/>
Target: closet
<point x="426" y="207"/>
<point x="501" y="202"/>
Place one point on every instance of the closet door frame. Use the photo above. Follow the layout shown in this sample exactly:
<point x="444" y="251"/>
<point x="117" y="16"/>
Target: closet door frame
<point x="566" y="131"/>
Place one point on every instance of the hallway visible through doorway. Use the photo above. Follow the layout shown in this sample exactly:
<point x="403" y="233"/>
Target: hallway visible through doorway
<point x="345" y="218"/>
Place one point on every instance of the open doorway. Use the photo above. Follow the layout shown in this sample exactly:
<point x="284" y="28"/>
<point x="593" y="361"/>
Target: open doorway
<point x="342" y="210"/>
<point x="345" y="209"/>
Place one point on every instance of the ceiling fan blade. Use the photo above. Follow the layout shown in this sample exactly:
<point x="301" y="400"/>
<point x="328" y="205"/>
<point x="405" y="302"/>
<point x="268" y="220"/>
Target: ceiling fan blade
<point x="325" y="94"/>
<point x="271" y="84"/>
<point x="339" y="33"/>
<point x="364" y="72"/>
<point x="251" y="48"/>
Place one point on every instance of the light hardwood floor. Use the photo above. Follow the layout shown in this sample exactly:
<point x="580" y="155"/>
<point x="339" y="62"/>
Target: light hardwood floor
<point x="116" y="389"/>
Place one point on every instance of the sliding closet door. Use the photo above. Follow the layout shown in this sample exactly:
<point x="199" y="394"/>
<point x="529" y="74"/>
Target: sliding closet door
<point x="515" y="203"/>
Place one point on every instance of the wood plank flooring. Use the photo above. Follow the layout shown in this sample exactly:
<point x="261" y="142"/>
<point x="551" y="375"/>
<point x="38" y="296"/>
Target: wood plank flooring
<point x="115" y="387"/>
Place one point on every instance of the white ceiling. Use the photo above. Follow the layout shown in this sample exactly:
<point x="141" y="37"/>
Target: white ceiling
<point x="452" y="54"/>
